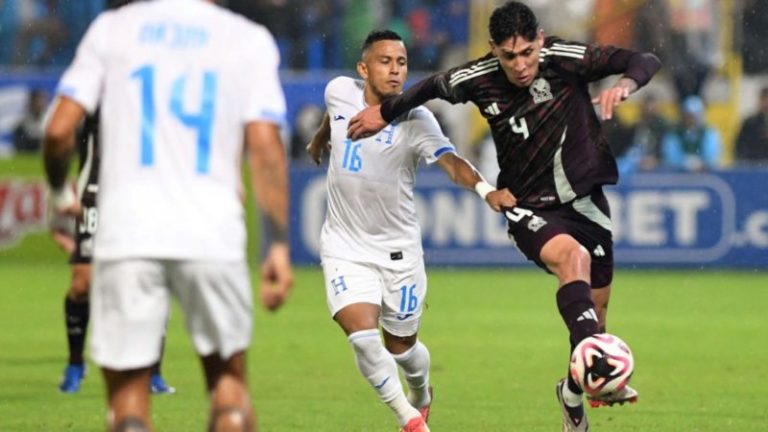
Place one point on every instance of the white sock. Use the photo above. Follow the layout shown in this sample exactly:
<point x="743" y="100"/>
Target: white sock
<point x="379" y="368"/>
<point x="415" y="364"/>
<point x="570" y="398"/>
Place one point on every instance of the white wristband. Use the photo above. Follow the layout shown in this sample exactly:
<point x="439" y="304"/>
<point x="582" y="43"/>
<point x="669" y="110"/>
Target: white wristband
<point x="63" y="198"/>
<point x="483" y="189"/>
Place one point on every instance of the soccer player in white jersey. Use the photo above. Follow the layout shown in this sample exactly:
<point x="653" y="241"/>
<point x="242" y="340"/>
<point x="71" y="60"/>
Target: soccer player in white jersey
<point x="371" y="242"/>
<point x="183" y="85"/>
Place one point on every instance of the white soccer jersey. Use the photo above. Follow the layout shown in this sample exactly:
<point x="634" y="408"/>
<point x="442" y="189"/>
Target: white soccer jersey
<point x="177" y="81"/>
<point x="371" y="215"/>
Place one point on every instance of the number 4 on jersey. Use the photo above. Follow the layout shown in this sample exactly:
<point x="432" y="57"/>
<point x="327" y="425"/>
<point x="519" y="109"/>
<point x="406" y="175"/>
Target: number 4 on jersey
<point x="519" y="126"/>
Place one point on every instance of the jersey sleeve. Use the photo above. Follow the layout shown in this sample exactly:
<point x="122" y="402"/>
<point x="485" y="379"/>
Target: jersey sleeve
<point x="265" y="100"/>
<point x="84" y="78"/>
<point x="590" y="61"/>
<point x="337" y="89"/>
<point x="426" y="136"/>
<point x="452" y="85"/>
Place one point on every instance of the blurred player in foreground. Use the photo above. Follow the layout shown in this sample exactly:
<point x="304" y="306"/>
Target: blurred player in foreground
<point x="80" y="247"/>
<point x="533" y="91"/>
<point x="371" y="242"/>
<point x="182" y="85"/>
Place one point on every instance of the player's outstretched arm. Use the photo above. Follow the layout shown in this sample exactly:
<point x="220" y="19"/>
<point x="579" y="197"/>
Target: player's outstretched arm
<point x="321" y="141"/>
<point x="376" y="117"/>
<point x="58" y="146"/>
<point x="269" y="174"/>
<point x="465" y="175"/>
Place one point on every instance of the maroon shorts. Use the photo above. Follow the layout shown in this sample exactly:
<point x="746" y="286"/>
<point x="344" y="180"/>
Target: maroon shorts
<point x="586" y="219"/>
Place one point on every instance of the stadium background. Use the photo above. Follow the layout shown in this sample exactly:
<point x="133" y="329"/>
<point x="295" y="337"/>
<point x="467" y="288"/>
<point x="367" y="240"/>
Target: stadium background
<point x="679" y="221"/>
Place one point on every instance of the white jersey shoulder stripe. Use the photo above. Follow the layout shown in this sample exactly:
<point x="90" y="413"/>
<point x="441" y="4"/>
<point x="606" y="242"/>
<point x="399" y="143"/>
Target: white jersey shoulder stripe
<point x="474" y="75"/>
<point x="477" y="67"/>
<point x="552" y="52"/>
<point x="573" y="48"/>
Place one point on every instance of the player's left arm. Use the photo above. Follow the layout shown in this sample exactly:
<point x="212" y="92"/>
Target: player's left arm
<point x="461" y="172"/>
<point x="592" y="62"/>
<point x="637" y="68"/>
<point x="58" y="147"/>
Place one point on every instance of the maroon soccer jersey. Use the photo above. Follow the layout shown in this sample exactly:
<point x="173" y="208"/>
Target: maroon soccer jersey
<point x="548" y="140"/>
<point x="550" y="148"/>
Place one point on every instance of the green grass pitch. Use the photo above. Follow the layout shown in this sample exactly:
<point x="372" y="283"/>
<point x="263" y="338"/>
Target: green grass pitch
<point x="497" y="342"/>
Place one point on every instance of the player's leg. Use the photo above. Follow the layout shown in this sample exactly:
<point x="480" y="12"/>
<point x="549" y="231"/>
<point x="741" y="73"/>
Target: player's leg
<point x="400" y="319"/>
<point x="129" y="306"/>
<point x="128" y="399"/>
<point x="544" y="237"/>
<point x="571" y="263"/>
<point x="228" y="389"/>
<point x="76" y="312"/>
<point x="354" y="296"/>
<point x="218" y="309"/>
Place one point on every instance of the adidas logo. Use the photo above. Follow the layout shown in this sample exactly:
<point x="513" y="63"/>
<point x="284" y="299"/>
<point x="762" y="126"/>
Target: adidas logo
<point x="587" y="315"/>
<point x="599" y="251"/>
<point x="492" y="109"/>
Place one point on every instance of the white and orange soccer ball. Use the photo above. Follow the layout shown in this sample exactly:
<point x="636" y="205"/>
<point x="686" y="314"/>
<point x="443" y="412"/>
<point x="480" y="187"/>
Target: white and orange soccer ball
<point x="602" y="364"/>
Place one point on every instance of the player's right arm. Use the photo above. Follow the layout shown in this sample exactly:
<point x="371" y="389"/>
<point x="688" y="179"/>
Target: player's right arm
<point x="269" y="175"/>
<point x="58" y="147"/>
<point x="461" y="172"/>
<point x="320" y="141"/>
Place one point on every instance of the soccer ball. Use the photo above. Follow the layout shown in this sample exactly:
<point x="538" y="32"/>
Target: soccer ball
<point x="602" y="364"/>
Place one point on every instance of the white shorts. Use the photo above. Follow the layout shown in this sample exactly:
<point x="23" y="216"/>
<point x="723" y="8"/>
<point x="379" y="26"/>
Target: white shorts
<point x="130" y="301"/>
<point x="400" y="294"/>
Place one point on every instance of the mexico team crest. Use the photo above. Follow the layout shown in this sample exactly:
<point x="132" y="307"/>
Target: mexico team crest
<point x="541" y="91"/>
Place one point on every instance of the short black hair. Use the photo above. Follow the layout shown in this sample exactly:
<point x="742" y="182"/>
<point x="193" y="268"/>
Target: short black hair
<point x="513" y="19"/>
<point x="379" y="35"/>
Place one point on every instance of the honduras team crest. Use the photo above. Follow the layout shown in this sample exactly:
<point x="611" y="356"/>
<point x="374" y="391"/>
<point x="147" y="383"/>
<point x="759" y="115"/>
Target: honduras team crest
<point x="541" y="91"/>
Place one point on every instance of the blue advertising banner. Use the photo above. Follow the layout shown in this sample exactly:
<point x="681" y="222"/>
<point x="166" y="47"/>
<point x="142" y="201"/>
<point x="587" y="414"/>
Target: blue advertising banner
<point x="707" y="220"/>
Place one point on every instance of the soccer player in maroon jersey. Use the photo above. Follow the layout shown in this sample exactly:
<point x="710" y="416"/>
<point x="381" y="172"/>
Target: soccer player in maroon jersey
<point x="533" y="91"/>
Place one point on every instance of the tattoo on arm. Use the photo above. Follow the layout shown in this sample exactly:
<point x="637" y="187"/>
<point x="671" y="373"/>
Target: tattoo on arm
<point x="57" y="168"/>
<point x="276" y="232"/>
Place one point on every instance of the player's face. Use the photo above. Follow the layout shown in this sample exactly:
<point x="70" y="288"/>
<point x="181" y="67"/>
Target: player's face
<point x="519" y="58"/>
<point x="384" y="68"/>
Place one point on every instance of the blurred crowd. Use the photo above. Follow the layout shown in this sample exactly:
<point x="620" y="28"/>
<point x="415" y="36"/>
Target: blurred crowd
<point x="690" y="36"/>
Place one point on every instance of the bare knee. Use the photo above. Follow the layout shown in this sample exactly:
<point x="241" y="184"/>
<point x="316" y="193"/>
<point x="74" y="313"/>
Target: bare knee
<point x="81" y="283"/>
<point x="567" y="259"/>
<point x="399" y="344"/>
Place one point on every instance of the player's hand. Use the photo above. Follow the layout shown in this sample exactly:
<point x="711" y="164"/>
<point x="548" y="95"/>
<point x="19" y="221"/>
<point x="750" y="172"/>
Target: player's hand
<point x="276" y="276"/>
<point x="366" y="123"/>
<point x="316" y="150"/>
<point x="65" y="203"/>
<point x="609" y="99"/>
<point x="500" y="198"/>
<point x="64" y="240"/>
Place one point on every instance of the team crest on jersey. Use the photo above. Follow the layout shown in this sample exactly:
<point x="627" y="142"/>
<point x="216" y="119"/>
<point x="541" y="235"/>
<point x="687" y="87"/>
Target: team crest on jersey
<point x="536" y="223"/>
<point x="541" y="91"/>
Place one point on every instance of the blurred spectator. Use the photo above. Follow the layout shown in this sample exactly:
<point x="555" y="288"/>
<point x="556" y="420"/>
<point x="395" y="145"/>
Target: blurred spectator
<point x="755" y="31"/>
<point x="638" y="147"/>
<point x="692" y="145"/>
<point x="41" y="34"/>
<point x="752" y="143"/>
<point x="28" y="134"/>
<point x="652" y="29"/>
<point x="695" y="42"/>
<point x="307" y="122"/>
